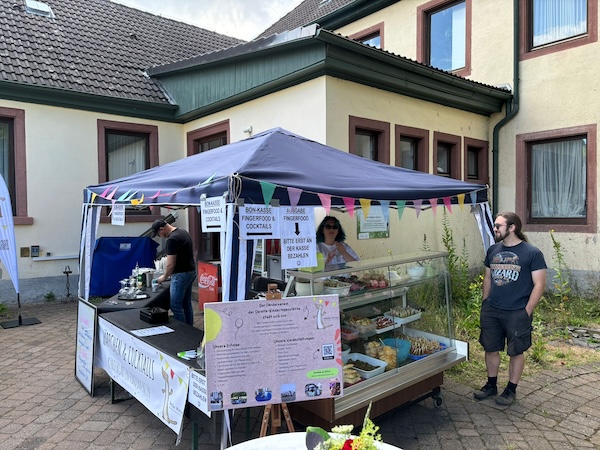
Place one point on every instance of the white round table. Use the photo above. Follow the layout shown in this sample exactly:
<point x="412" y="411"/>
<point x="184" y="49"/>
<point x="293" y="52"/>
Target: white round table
<point x="287" y="441"/>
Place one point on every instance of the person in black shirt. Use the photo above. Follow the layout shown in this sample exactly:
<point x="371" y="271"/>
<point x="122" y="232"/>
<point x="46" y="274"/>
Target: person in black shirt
<point x="181" y="267"/>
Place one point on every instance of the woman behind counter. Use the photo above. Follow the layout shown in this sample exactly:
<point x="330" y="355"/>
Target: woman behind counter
<point x="330" y="242"/>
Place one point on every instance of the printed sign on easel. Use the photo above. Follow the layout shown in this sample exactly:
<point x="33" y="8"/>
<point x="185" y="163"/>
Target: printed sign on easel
<point x="273" y="351"/>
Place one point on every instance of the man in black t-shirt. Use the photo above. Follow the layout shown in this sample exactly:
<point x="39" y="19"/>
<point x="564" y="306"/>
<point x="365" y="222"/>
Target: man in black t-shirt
<point x="514" y="281"/>
<point x="181" y="267"/>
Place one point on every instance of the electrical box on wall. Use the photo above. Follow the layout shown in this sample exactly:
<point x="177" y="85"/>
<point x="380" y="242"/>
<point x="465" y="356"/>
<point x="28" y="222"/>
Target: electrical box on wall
<point x="35" y="251"/>
<point x="24" y="252"/>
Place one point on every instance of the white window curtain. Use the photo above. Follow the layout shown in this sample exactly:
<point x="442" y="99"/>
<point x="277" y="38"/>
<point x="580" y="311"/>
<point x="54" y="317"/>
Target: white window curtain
<point x="126" y="155"/>
<point x="558" y="174"/>
<point x="554" y="20"/>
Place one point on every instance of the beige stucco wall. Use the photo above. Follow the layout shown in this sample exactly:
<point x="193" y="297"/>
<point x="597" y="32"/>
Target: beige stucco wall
<point x="558" y="90"/>
<point x="62" y="158"/>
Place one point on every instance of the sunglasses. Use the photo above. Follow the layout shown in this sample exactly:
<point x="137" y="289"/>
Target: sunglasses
<point x="497" y="226"/>
<point x="329" y="227"/>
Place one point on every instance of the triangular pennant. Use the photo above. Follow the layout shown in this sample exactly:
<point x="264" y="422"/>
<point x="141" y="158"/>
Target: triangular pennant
<point x="112" y="194"/>
<point x="106" y="191"/>
<point x="129" y="197"/>
<point x="326" y="202"/>
<point x="473" y="195"/>
<point x="294" y="195"/>
<point x="208" y="180"/>
<point x="94" y="195"/>
<point x="385" y="209"/>
<point x="448" y="204"/>
<point x="172" y="374"/>
<point x="401" y="204"/>
<point x="349" y="202"/>
<point x="417" y="204"/>
<point x="137" y="201"/>
<point x="461" y="200"/>
<point x="267" y="190"/>
<point x="124" y="196"/>
<point x="365" y="204"/>
<point x="433" y="203"/>
<point x="155" y="195"/>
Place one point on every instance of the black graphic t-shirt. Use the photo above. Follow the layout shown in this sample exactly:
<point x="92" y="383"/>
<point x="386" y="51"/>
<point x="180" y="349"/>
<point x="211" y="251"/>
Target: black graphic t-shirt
<point x="511" y="269"/>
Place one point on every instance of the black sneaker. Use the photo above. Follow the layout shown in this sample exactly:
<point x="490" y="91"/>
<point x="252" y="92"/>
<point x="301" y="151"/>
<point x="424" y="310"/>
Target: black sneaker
<point x="507" y="398"/>
<point x="487" y="391"/>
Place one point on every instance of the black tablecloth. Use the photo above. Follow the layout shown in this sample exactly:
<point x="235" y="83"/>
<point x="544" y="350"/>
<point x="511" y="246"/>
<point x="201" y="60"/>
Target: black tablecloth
<point x="160" y="298"/>
<point x="185" y="337"/>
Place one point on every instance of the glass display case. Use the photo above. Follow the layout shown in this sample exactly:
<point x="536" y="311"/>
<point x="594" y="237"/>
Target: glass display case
<point x="397" y="334"/>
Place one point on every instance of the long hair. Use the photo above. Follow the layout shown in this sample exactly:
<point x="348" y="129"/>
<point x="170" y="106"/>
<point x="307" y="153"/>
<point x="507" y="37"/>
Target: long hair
<point x="513" y="219"/>
<point x="340" y="237"/>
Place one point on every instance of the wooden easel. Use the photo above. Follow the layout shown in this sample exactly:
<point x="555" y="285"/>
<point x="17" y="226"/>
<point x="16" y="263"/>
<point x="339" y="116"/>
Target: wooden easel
<point x="274" y="411"/>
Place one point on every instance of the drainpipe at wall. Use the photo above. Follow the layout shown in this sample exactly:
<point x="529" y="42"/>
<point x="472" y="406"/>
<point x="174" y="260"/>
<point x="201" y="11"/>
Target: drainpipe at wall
<point x="511" y="109"/>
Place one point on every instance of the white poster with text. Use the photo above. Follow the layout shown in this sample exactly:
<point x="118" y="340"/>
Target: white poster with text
<point x="273" y="351"/>
<point x="298" y="237"/>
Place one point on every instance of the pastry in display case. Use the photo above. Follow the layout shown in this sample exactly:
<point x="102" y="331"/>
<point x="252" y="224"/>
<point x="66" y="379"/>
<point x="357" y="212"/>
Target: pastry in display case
<point x="396" y="329"/>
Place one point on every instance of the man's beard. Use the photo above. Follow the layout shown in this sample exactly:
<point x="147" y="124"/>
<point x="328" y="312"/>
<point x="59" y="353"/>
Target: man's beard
<point x="499" y="236"/>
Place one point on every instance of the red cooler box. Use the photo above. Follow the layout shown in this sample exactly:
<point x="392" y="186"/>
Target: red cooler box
<point x="208" y="283"/>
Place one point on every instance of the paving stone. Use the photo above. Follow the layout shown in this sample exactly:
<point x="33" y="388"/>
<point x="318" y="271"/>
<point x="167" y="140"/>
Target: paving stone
<point x="554" y="410"/>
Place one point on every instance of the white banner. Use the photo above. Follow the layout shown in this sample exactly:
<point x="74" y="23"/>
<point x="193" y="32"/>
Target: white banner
<point x="158" y="381"/>
<point x="8" y="247"/>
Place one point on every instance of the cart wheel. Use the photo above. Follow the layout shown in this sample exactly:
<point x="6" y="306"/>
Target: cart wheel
<point x="437" y="401"/>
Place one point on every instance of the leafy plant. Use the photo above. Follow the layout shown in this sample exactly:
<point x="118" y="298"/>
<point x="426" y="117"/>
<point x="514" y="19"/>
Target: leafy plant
<point x="562" y="275"/>
<point x="458" y="266"/>
<point x="50" y="296"/>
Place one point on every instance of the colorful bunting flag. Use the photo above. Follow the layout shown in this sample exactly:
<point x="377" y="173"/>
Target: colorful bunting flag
<point x="326" y="202"/>
<point x="365" y="204"/>
<point x="349" y="202"/>
<point x="473" y="195"/>
<point x="106" y="191"/>
<point x="294" y="195"/>
<point x="448" y="204"/>
<point x="417" y="204"/>
<point x="385" y="209"/>
<point x="461" y="200"/>
<point x="433" y="203"/>
<point x="267" y="190"/>
<point x="112" y="194"/>
<point x="401" y="204"/>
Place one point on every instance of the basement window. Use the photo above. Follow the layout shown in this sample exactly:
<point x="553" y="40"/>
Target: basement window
<point x="38" y="8"/>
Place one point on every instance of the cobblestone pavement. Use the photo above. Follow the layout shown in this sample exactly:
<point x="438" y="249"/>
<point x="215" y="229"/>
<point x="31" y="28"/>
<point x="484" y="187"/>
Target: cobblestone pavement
<point x="44" y="407"/>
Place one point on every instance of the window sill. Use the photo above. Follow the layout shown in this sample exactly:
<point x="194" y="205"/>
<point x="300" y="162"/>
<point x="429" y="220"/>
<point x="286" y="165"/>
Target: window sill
<point x="23" y="220"/>
<point x="54" y="258"/>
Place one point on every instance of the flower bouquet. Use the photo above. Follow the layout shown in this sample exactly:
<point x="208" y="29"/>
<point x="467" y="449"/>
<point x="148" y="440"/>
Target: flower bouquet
<point x="342" y="439"/>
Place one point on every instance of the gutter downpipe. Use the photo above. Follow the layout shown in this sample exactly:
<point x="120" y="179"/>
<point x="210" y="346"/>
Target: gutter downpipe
<point x="511" y="109"/>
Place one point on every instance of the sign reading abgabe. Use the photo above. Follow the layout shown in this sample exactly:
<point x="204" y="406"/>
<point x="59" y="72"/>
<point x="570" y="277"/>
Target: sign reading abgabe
<point x="273" y="351"/>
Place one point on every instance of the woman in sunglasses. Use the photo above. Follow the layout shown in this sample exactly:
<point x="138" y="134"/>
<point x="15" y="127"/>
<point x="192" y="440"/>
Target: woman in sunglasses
<point x="330" y="242"/>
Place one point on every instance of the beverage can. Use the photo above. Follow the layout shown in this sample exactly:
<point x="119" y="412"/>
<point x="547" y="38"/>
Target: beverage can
<point x="154" y="285"/>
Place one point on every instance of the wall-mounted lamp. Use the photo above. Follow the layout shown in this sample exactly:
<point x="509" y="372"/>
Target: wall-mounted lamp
<point x="248" y="129"/>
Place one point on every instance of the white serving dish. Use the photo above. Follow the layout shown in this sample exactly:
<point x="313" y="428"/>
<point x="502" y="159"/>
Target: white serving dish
<point x="403" y="320"/>
<point x="416" y="271"/>
<point x="381" y="365"/>
<point x="303" y="287"/>
<point x="342" y="289"/>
